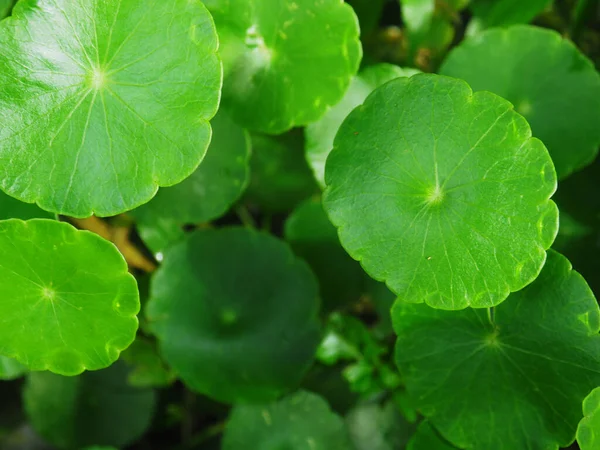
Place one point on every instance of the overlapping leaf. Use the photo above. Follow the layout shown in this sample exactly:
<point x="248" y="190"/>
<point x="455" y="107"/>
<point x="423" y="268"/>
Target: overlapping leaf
<point x="588" y="431"/>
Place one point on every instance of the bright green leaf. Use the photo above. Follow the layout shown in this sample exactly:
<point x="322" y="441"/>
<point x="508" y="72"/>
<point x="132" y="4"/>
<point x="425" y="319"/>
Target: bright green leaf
<point x="501" y="13"/>
<point x="147" y="367"/>
<point x="314" y="238"/>
<point x="442" y="193"/>
<point x="235" y="313"/>
<point x="378" y="427"/>
<point x="207" y="194"/>
<point x="5" y="7"/>
<point x="426" y="438"/>
<point x="526" y="369"/>
<point x="280" y="177"/>
<point x="588" y="431"/>
<point x="11" y="208"/>
<point x="557" y="90"/>
<point x="102" y="101"/>
<point x="67" y="302"/>
<point x="302" y="421"/>
<point x="320" y="134"/>
<point x="10" y="368"/>
<point x="96" y="408"/>
<point x="285" y="61"/>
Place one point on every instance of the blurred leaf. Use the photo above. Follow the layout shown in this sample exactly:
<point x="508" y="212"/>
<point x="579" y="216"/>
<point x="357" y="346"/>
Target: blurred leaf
<point x="147" y="367"/>
<point x="10" y="368"/>
<point x="502" y="13"/>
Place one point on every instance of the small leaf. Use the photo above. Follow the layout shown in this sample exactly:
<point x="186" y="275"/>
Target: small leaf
<point x="526" y="368"/>
<point x="285" y="61"/>
<point x="10" y="368"/>
<point x="314" y="238"/>
<point x="280" y="177"/>
<point x="320" y="134"/>
<point x="426" y="438"/>
<point x="208" y="193"/>
<point x="302" y="421"/>
<point x="557" y="90"/>
<point x="442" y="193"/>
<point x="588" y="431"/>
<point x="67" y="301"/>
<point x="96" y="408"/>
<point x="235" y="314"/>
<point x="104" y="101"/>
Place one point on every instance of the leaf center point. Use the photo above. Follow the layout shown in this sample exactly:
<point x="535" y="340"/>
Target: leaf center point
<point x="98" y="79"/>
<point x="435" y="195"/>
<point x="48" y="293"/>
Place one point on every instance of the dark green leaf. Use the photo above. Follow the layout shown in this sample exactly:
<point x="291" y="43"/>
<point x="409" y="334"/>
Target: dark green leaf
<point x="426" y="438"/>
<point x="588" y="431"/>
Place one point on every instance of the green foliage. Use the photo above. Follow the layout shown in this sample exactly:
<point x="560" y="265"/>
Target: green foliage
<point x="318" y="257"/>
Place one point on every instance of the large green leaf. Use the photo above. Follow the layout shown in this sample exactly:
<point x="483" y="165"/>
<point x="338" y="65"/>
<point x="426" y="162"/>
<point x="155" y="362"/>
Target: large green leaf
<point x="302" y="421"/>
<point x="207" y="194"/>
<point x="320" y="134"/>
<point x="513" y="380"/>
<point x="285" y="61"/>
<point x="557" y="90"/>
<point x="96" y="408"/>
<point x="235" y="314"/>
<point x="588" y="431"/>
<point x="314" y="238"/>
<point x="442" y="193"/>
<point x="102" y="101"/>
<point x="67" y="302"/>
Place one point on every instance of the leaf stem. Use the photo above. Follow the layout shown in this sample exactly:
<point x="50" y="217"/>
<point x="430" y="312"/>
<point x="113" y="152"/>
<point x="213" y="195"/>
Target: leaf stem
<point x="245" y="216"/>
<point x="490" y="314"/>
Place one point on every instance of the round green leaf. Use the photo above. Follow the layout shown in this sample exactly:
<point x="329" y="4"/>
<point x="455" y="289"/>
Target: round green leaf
<point x="103" y="101"/>
<point x="285" y="61"/>
<point x="442" y="193"/>
<point x="314" y="238"/>
<point x="280" y="177"/>
<point x="525" y="369"/>
<point x="96" y="408"/>
<point x="11" y="208"/>
<point x="67" y="302"/>
<point x="208" y="193"/>
<point x="302" y="421"/>
<point x="557" y="90"/>
<point x="320" y="134"/>
<point x="588" y="431"/>
<point x="10" y="368"/>
<point x="235" y="314"/>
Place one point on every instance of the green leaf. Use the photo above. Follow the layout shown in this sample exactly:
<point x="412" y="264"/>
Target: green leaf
<point x="10" y="368"/>
<point x="501" y="13"/>
<point x="104" y="101"/>
<point x="426" y="438"/>
<point x="588" y="431"/>
<point x="302" y="421"/>
<point x="320" y="134"/>
<point x="235" y="314"/>
<point x="5" y="7"/>
<point x="368" y="12"/>
<point x="207" y="194"/>
<point x="280" y="177"/>
<point x="11" y="208"/>
<point x="442" y="193"/>
<point x="96" y="408"/>
<point x="147" y="367"/>
<point x="557" y="90"/>
<point x="67" y="301"/>
<point x="378" y="427"/>
<point x="314" y="238"/>
<point x="526" y="371"/>
<point x="285" y="61"/>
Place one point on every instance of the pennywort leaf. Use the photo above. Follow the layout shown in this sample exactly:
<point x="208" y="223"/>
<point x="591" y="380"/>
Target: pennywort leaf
<point x="102" y="101"/>
<point x="526" y="368"/>
<point x="442" y="193"/>
<point x="235" y="344"/>
<point x="67" y="301"/>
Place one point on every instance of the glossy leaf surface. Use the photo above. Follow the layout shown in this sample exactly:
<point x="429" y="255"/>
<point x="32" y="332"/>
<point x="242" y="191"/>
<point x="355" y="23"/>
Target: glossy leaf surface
<point x="516" y="381"/>
<point x="320" y="134"/>
<point x="231" y="343"/>
<point x="442" y="193"/>
<point x="102" y="101"/>
<point x="588" y="431"/>
<point x="557" y="88"/>
<point x="67" y="301"/>
<point x="285" y="61"/>
<point x="301" y="421"/>
<point x="96" y="408"/>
